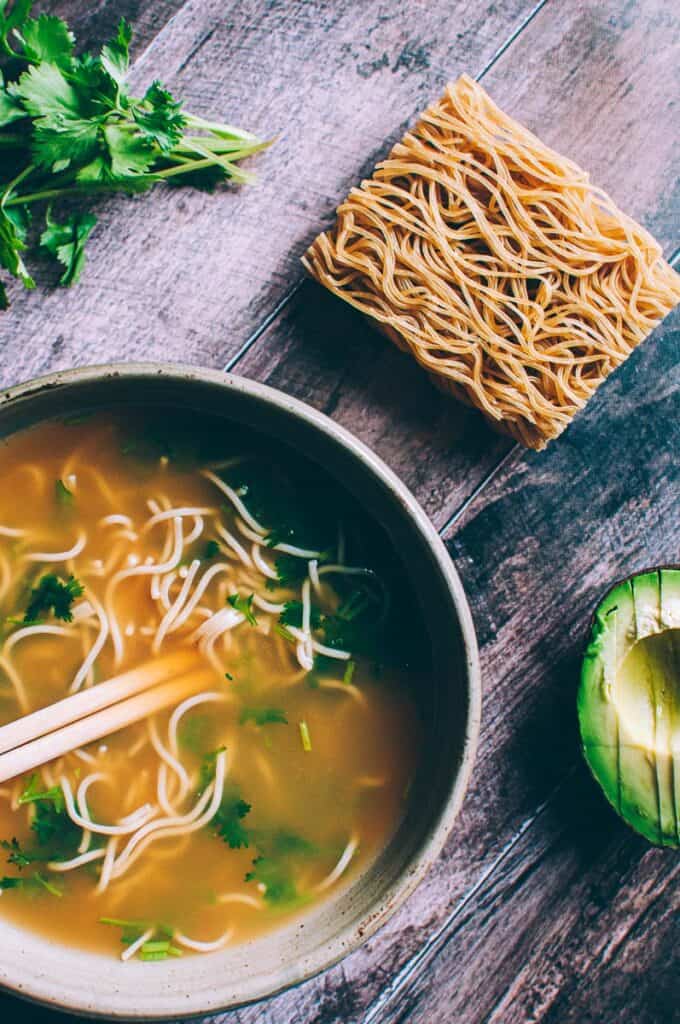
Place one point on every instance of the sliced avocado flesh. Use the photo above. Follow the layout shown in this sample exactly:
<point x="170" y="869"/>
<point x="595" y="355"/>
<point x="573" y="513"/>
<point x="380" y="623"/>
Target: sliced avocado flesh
<point x="629" y="702"/>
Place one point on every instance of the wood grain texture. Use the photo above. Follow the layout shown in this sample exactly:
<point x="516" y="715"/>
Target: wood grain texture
<point x="93" y="23"/>
<point x="323" y="351"/>
<point x="579" y="925"/>
<point x="591" y="58"/>
<point x="536" y="551"/>
<point x="542" y="539"/>
<point x="183" y="275"/>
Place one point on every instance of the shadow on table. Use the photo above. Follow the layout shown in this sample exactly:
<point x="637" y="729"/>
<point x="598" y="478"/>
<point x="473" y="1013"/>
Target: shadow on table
<point x="324" y="352"/>
<point x="18" y="1011"/>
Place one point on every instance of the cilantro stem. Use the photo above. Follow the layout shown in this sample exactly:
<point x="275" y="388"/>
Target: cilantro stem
<point x="13" y="184"/>
<point x="305" y="738"/>
<point x="34" y="197"/>
<point x="235" y="147"/>
<point x="225" y="164"/>
<point x="186" y="166"/>
<point x="80" y="132"/>
<point x="183" y="167"/>
<point x="227" y="131"/>
<point x="53" y="193"/>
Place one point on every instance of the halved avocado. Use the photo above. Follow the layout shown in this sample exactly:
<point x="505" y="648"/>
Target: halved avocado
<point x="629" y="702"/>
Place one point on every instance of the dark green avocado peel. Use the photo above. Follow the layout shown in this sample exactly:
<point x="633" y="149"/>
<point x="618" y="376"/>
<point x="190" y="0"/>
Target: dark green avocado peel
<point x="629" y="702"/>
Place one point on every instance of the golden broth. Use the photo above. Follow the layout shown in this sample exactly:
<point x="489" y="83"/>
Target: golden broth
<point x="312" y="818"/>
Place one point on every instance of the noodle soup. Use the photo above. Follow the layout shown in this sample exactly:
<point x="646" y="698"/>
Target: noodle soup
<point x="125" y="545"/>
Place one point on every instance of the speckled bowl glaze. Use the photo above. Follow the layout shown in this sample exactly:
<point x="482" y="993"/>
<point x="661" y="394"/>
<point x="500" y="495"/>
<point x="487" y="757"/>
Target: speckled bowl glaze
<point x="97" y="985"/>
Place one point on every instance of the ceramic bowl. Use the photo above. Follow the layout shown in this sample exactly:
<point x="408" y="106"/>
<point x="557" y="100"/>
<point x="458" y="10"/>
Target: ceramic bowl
<point x="31" y="966"/>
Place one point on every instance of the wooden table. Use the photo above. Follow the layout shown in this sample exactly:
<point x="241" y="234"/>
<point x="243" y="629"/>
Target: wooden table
<point x="543" y="906"/>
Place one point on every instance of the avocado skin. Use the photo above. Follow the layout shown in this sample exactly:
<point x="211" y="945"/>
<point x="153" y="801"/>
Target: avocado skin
<point x="670" y="619"/>
<point x="641" y="784"/>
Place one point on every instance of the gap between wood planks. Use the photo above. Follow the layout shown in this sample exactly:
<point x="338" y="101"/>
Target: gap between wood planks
<point x="438" y="939"/>
<point x="295" y="288"/>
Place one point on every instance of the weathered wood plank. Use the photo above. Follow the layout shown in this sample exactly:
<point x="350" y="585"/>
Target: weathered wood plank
<point x="527" y="698"/>
<point x="591" y="58"/>
<point x="324" y="352"/>
<point x="93" y="23"/>
<point x="184" y="275"/>
<point x="536" y="550"/>
<point x="579" y="923"/>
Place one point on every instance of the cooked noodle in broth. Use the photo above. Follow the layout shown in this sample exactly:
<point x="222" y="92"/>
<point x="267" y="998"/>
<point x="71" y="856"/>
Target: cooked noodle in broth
<point x="278" y="782"/>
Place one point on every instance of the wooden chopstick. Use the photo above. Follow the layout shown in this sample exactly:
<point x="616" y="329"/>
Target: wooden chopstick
<point x="107" y="720"/>
<point x="63" y="712"/>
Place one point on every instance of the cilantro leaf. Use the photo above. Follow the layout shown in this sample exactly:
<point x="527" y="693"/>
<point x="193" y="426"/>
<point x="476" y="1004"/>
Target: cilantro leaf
<point x="17" y="855"/>
<point x="11" y="247"/>
<point x="67" y="128"/>
<point x="115" y="56"/>
<point x="53" y="594"/>
<point x="33" y="793"/>
<point x="51" y="824"/>
<point x="292" y="615"/>
<point x="287" y="844"/>
<point x="211" y="550"/>
<point x="263" y="716"/>
<point x="54" y="828"/>
<point x="227" y="823"/>
<point x="356" y="626"/>
<point x="289" y="572"/>
<point x="128" y="154"/>
<point x="47" y="94"/>
<point x="273" y="868"/>
<point x="10" y="883"/>
<point x="244" y="605"/>
<point x="10" y="107"/>
<point x="57" y="148"/>
<point x="12" y="20"/>
<point x="21" y="218"/>
<point x="159" y="117"/>
<point x="276" y="879"/>
<point x="67" y="242"/>
<point x="47" y="38"/>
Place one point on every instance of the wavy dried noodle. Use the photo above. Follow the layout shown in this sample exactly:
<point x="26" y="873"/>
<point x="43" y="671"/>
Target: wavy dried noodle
<point x="495" y="262"/>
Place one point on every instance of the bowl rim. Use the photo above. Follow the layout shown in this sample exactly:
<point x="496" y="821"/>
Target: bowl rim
<point x="351" y="936"/>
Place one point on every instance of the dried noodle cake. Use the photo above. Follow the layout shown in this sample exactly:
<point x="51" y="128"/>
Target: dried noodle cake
<point x="492" y="259"/>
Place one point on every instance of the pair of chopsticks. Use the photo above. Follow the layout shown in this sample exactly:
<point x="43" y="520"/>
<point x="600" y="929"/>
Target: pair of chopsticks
<point x="46" y="734"/>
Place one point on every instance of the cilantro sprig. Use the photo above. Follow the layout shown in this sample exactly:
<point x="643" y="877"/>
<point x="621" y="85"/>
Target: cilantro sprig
<point x="244" y="605"/>
<point x="31" y="884"/>
<point x="69" y="126"/>
<point x="56" y="836"/>
<point x="263" y="716"/>
<point x="228" y="820"/>
<point x="274" y="868"/>
<point x="53" y="595"/>
<point x="159" y="947"/>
